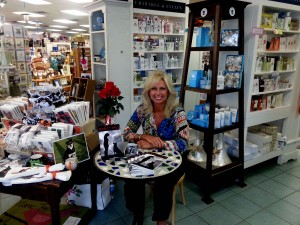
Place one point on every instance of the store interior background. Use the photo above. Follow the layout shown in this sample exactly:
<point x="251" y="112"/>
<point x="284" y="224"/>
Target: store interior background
<point x="41" y="27"/>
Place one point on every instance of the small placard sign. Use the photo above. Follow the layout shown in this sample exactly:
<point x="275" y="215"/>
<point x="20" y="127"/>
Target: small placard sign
<point x="257" y="31"/>
<point x="294" y="2"/>
<point x="168" y="6"/>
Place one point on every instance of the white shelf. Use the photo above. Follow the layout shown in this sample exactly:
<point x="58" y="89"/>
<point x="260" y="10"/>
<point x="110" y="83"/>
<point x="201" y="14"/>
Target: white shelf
<point x="99" y="64"/>
<point x="158" y="34"/>
<point x="98" y="32"/>
<point x="284" y="117"/>
<point x="271" y="92"/>
<point x="169" y="68"/>
<point x="157" y="51"/>
<point x="262" y="158"/>
<point x="173" y="17"/>
<point x="268" y="115"/>
<point x="274" y="71"/>
<point x="277" y="52"/>
<point x="277" y="31"/>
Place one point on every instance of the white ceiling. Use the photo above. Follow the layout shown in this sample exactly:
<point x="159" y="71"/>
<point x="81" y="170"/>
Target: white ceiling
<point x="51" y="12"/>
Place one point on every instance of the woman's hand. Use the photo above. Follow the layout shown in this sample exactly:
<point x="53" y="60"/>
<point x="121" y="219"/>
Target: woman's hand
<point x="149" y="141"/>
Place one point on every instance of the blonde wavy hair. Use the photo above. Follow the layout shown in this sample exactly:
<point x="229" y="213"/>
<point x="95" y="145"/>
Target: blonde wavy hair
<point x="152" y="79"/>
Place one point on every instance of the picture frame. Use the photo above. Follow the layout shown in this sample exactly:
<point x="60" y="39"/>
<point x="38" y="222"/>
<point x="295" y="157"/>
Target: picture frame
<point x="8" y="31"/>
<point x="23" y="78"/>
<point x="20" y="54"/>
<point x="9" y="43"/>
<point x="66" y="69"/>
<point x="21" y="66"/>
<point x="86" y="75"/>
<point x="56" y="83"/>
<point x="63" y="81"/>
<point x="230" y="37"/>
<point x="18" y="31"/>
<point x="71" y="147"/>
<point x="19" y="43"/>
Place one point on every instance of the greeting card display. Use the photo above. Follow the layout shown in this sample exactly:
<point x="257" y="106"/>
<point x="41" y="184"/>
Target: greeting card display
<point x="230" y="37"/>
<point x="71" y="147"/>
<point x="234" y="66"/>
<point x="145" y="164"/>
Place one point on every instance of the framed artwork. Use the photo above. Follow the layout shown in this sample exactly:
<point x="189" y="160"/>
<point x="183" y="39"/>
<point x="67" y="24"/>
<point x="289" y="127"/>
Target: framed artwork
<point x="22" y="67"/>
<point x="20" y="55"/>
<point x="23" y="78"/>
<point x="86" y="75"/>
<point x="9" y="43"/>
<point x="11" y="57"/>
<point x="19" y="42"/>
<point x="18" y="31"/>
<point x="8" y="31"/>
<point x="56" y="83"/>
<point x="66" y="70"/>
<point x="71" y="147"/>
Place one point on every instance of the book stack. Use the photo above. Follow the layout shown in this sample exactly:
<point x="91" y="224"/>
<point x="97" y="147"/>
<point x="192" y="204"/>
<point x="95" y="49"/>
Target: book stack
<point x="146" y="164"/>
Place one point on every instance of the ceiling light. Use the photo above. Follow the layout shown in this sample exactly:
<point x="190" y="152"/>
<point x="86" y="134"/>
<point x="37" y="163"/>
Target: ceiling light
<point x="30" y="27"/>
<point x="28" y="13"/>
<point x="81" y="1"/>
<point x="85" y="25"/>
<point x="58" y="26"/>
<point x="3" y="3"/>
<point x="36" y="2"/>
<point x="53" y="30"/>
<point x="75" y="12"/>
<point x="85" y="34"/>
<point x="64" y="21"/>
<point x="79" y="29"/>
<point x="30" y="22"/>
<point x="71" y="32"/>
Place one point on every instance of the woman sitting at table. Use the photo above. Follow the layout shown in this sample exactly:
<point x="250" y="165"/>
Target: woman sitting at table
<point x="164" y="126"/>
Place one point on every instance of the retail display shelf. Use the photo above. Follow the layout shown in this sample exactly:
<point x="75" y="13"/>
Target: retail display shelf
<point x="262" y="158"/>
<point x="158" y="34"/>
<point x="168" y="68"/>
<point x="267" y="115"/>
<point x="157" y="51"/>
<point x="274" y="91"/>
<point x="277" y="52"/>
<point x="270" y="72"/>
<point x="159" y="13"/>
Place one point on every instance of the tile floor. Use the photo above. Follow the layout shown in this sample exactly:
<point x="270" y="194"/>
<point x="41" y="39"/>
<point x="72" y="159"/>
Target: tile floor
<point x="271" y="197"/>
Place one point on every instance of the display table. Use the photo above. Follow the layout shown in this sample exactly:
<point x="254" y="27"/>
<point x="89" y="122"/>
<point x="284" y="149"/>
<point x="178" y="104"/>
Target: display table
<point x="119" y="167"/>
<point x="52" y="191"/>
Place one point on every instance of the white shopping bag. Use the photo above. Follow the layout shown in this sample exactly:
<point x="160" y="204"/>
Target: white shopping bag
<point x="80" y="195"/>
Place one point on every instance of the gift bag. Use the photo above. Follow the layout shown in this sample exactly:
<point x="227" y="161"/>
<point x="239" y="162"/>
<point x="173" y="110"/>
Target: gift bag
<point x="80" y="195"/>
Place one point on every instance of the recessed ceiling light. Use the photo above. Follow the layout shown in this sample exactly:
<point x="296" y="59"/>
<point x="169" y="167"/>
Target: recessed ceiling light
<point x="30" y="22"/>
<point x="64" y="21"/>
<point x="71" y="32"/>
<point x="29" y="14"/>
<point x="30" y="27"/>
<point x="85" y="25"/>
<point x="79" y="29"/>
<point x="75" y="12"/>
<point x="53" y="30"/>
<point x="81" y="1"/>
<point x="36" y="2"/>
<point x="58" y="26"/>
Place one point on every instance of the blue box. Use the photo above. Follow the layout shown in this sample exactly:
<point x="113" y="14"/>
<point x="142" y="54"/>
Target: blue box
<point x="195" y="77"/>
<point x="203" y="38"/>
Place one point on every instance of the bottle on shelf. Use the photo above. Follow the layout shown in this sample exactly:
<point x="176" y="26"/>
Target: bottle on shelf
<point x="279" y="64"/>
<point x="261" y="84"/>
<point x="287" y="21"/>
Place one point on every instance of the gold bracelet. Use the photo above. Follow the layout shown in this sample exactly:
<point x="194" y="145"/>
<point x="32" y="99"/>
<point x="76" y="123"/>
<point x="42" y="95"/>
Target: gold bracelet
<point x="140" y="136"/>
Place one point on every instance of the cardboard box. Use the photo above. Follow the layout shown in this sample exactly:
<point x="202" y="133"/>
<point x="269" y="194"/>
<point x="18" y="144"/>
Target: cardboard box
<point x="93" y="141"/>
<point x="87" y="128"/>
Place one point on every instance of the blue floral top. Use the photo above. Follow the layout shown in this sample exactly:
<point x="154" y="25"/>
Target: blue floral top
<point x="174" y="130"/>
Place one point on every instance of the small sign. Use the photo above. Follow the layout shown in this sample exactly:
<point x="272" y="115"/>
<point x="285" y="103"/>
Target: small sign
<point x="257" y="31"/>
<point x="293" y="2"/>
<point x="167" y="6"/>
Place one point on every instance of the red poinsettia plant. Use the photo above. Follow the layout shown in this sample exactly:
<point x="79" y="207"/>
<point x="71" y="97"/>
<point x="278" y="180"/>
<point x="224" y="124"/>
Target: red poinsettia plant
<point x="110" y="96"/>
